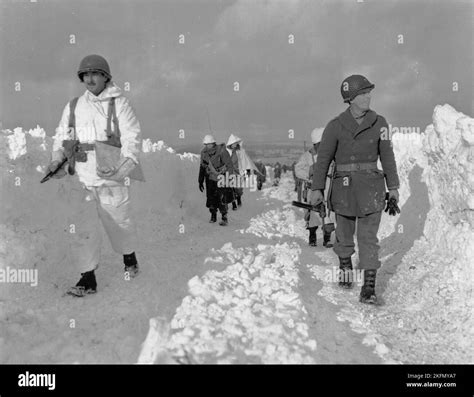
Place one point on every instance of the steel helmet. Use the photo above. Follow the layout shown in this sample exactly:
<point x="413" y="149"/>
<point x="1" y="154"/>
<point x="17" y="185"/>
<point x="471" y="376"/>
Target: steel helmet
<point x="316" y="135"/>
<point x="353" y="86"/>
<point x="208" y="139"/>
<point x="94" y="63"/>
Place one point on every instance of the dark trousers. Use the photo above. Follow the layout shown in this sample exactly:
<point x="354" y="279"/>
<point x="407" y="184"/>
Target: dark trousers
<point x="217" y="197"/>
<point x="367" y="228"/>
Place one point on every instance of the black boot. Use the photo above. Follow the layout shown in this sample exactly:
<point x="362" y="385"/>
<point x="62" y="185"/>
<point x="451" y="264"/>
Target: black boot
<point x="239" y="201"/>
<point x="224" y="221"/>
<point x="345" y="272"/>
<point x="367" y="292"/>
<point x="213" y="217"/>
<point x="234" y="206"/>
<point x="86" y="285"/>
<point x="327" y="239"/>
<point x="131" y="265"/>
<point x="312" y="236"/>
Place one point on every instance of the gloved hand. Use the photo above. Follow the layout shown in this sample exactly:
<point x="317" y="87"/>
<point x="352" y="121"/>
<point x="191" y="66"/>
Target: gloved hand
<point x="392" y="200"/>
<point x="53" y="167"/>
<point x="393" y="193"/>
<point x="201" y="187"/>
<point x="117" y="174"/>
<point x="316" y="197"/>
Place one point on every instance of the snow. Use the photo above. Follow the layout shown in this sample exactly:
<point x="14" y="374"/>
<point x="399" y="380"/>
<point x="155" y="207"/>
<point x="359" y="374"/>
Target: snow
<point x="250" y="309"/>
<point x="278" y="223"/>
<point x="427" y="315"/>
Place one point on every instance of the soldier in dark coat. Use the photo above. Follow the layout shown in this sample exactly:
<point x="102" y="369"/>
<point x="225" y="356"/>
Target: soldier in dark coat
<point x="262" y="176"/>
<point x="215" y="163"/>
<point x="355" y="140"/>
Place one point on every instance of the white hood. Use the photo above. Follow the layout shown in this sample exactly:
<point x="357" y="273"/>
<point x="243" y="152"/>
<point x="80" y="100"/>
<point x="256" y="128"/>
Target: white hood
<point x="233" y="139"/>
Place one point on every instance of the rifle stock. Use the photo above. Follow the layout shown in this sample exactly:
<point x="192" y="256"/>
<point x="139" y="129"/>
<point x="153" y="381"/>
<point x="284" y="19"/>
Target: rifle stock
<point x="48" y="176"/>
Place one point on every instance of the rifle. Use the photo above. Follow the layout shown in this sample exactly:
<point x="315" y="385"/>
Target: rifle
<point x="51" y="173"/>
<point x="72" y="152"/>
<point x="320" y="208"/>
<point x="330" y="187"/>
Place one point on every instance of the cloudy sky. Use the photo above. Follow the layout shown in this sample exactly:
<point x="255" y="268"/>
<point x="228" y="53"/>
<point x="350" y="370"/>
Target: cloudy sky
<point x="415" y="51"/>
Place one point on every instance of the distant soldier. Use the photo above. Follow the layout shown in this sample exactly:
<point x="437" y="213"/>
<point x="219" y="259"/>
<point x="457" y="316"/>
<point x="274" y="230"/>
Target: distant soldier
<point x="304" y="170"/>
<point x="242" y="165"/>
<point x="295" y="179"/>
<point x="262" y="176"/>
<point x="215" y="161"/>
<point x="277" y="174"/>
<point x="355" y="141"/>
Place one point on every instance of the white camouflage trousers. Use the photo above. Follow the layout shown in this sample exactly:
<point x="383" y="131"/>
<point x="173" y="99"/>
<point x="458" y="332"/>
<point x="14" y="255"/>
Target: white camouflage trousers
<point x="109" y="205"/>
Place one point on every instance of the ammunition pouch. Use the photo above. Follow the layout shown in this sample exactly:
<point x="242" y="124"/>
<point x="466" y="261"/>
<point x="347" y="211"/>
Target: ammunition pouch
<point x="76" y="151"/>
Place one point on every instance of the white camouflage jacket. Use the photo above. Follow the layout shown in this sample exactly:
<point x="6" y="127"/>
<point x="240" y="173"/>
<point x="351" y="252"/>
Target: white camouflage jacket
<point x="91" y="125"/>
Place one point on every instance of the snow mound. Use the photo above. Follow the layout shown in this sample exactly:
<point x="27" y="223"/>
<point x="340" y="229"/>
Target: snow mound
<point x="250" y="311"/>
<point x="284" y="191"/>
<point x="285" y="222"/>
<point x="433" y="284"/>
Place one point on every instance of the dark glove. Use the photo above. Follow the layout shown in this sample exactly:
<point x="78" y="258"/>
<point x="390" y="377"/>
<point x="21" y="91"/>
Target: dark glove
<point x="321" y="209"/>
<point x="201" y="187"/>
<point x="392" y="207"/>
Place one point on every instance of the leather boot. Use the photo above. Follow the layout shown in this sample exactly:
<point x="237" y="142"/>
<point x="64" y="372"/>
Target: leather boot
<point x="327" y="239"/>
<point x="86" y="285"/>
<point x="367" y="292"/>
<point x="224" y="221"/>
<point x="345" y="272"/>
<point x="131" y="264"/>
<point x="312" y="236"/>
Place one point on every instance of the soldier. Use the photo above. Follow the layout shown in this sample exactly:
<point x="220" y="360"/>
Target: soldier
<point x="355" y="141"/>
<point x="243" y="167"/>
<point x="304" y="171"/>
<point x="88" y="120"/>
<point x="234" y="149"/>
<point x="277" y="173"/>
<point x="262" y="175"/>
<point x="215" y="161"/>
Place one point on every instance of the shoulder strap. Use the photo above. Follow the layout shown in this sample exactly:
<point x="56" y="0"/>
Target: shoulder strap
<point x="111" y="113"/>
<point x="72" y="114"/>
<point x="113" y="137"/>
<point x="310" y="151"/>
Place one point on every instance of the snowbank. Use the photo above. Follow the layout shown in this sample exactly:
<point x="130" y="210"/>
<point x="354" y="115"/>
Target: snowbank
<point x="36" y="218"/>
<point x="433" y="284"/>
<point x="250" y="311"/>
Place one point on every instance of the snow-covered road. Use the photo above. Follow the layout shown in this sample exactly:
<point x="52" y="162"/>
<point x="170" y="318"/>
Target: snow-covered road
<point x="253" y="292"/>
